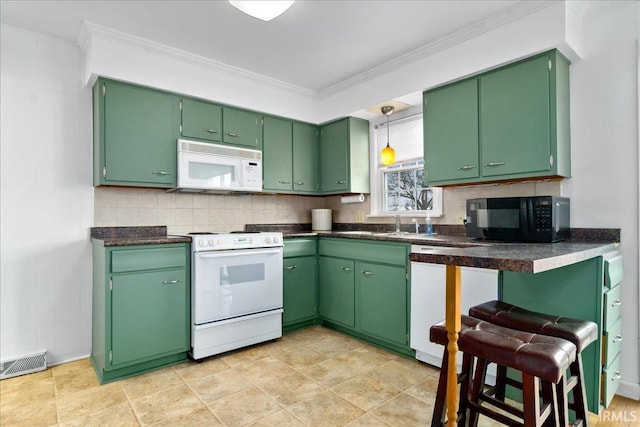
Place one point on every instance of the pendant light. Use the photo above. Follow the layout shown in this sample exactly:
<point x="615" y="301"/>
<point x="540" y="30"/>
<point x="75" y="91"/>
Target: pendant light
<point x="388" y="154"/>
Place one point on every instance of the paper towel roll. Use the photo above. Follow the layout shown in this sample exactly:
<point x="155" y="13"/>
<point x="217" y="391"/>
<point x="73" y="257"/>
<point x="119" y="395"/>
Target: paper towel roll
<point x="321" y="219"/>
<point x="352" y="199"/>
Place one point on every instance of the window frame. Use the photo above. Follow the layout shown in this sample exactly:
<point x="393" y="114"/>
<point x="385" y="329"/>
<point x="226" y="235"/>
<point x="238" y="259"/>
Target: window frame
<point x="377" y="200"/>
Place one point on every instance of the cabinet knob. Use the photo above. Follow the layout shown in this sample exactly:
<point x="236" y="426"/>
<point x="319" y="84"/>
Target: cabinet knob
<point x="161" y="173"/>
<point x="234" y="135"/>
<point x="493" y="164"/>
<point x="210" y="130"/>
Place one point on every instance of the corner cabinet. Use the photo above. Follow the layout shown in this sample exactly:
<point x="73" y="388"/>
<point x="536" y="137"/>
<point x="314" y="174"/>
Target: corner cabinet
<point x="134" y="135"/>
<point x="141" y="308"/>
<point x="344" y="156"/>
<point x="364" y="290"/>
<point x="507" y="124"/>
<point x="300" y="292"/>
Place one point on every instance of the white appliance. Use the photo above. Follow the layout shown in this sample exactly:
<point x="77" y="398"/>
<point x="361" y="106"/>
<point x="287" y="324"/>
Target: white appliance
<point x="236" y="290"/>
<point x="428" y="301"/>
<point x="212" y="168"/>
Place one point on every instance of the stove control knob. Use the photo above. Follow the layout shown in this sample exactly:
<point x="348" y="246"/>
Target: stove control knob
<point x="211" y="242"/>
<point x="276" y="240"/>
<point x="201" y="242"/>
<point x="267" y="239"/>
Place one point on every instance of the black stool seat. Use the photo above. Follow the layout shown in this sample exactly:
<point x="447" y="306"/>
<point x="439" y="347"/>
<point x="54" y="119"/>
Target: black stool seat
<point x="580" y="332"/>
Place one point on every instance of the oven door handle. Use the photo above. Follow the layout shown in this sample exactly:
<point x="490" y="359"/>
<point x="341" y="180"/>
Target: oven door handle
<point x="222" y="254"/>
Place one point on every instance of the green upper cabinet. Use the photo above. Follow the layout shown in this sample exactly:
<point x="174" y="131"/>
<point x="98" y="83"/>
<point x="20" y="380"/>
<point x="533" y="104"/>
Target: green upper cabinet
<point x="518" y="116"/>
<point x="451" y="132"/>
<point x="344" y="156"/>
<point x="305" y="158"/>
<point x="135" y="133"/>
<point x="277" y="154"/>
<point x="242" y="127"/>
<point x="201" y="120"/>
<point x="289" y="156"/>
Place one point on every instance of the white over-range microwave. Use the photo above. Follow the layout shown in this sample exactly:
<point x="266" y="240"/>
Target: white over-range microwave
<point x="213" y="168"/>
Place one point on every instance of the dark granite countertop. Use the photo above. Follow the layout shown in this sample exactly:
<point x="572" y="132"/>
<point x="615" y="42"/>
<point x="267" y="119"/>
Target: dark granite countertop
<point x="451" y="246"/>
<point x="131" y="236"/>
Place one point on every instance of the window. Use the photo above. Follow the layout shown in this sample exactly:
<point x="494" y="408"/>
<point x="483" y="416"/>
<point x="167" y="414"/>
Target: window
<point x="398" y="189"/>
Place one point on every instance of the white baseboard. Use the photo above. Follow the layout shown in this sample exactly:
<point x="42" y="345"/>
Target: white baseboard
<point x="73" y="359"/>
<point x="629" y="390"/>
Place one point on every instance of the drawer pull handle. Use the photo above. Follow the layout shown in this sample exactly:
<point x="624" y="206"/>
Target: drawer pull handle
<point x="341" y="182"/>
<point x="616" y="302"/>
<point x="284" y="182"/>
<point x="210" y="130"/>
<point x="347" y="269"/>
<point x="466" y="167"/>
<point x="171" y="282"/>
<point x="618" y="338"/>
<point x="367" y="273"/>
<point x="234" y="135"/>
<point x="299" y="183"/>
<point x="493" y="164"/>
<point x="161" y="173"/>
<point x="616" y="376"/>
<point x="291" y="267"/>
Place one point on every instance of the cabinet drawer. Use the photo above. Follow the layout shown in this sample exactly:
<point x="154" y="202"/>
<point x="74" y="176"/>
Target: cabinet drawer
<point x="613" y="272"/>
<point x="299" y="247"/>
<point x="365" y="251"/>
<point x="147" y="259"/>
<point x="612" y="307"/>
<point x="612" y="343"/>
<point x="610" y="381"/>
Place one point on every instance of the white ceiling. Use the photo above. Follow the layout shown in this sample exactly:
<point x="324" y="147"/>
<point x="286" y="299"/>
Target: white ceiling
<point x="315" y="45"/>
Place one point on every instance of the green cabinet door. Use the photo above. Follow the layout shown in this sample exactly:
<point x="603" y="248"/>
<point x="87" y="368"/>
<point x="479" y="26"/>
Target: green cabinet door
<point x="514" y="118"/>
<point x="381" y="301"/>
<point x="201" y="120"/>
<point x="451" y="132"/>
<point x="334" y="156"/>
<point x="136" y="135"/>
<point x="299" y="290"/>
<point x="277" y="154"/>
<point x="337" y="292"/>
<point x="242" y="127"/>
<point x="305" y="158"/>
<point x="149" y="315"/>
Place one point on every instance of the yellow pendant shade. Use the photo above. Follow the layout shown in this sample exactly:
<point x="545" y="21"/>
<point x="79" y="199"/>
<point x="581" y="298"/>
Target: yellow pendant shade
<point x="388" y="155"/>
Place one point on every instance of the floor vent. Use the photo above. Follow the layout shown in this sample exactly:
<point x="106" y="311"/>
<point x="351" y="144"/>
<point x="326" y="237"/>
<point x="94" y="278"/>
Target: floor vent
<point x="23" y="365"/>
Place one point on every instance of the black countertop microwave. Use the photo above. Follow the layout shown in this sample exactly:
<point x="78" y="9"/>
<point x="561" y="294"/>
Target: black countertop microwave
<point x="536" y="219"/>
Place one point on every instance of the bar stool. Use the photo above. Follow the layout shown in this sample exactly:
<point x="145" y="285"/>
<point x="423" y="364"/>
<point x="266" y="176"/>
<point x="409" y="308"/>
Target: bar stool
<point x="580" y="332"/>
<point x="542" y="360"/>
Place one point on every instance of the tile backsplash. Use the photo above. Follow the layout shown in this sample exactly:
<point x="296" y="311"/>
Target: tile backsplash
<point x="183" y="213"/>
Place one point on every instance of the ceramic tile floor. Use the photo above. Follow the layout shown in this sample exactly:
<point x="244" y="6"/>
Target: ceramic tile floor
<point x="313" y="377"/>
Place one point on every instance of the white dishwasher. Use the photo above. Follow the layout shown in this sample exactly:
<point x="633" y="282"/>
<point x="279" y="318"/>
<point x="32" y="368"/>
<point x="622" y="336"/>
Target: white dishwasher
<point x="428" y="301"/>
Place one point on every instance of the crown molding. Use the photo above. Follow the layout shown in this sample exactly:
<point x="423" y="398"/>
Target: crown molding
<point x="507" y="16"/>
<point x="89" y="31"/>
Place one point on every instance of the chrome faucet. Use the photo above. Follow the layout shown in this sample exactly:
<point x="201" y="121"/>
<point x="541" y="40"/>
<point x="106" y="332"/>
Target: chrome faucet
<point x="397" y="224"/>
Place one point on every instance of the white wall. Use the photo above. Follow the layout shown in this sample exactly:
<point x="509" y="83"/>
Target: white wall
<point x="46" y="198"/>
<point x="604" y="152"/>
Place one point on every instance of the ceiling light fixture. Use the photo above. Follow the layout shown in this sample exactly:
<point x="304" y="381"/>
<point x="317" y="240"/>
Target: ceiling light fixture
<point x="265" y="10"/>
<point x="388" y="154"/>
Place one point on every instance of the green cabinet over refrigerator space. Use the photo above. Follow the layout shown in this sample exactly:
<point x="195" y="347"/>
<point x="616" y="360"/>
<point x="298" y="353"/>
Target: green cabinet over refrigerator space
<point x="510" y="123"/>
<point x="134" y="135"/>
<point x="141" y="308"/>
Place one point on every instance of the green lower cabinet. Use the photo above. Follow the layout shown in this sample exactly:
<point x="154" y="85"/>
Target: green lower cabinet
<point x="381" y="301"/>
<point x="300" y="293"/>
<point x="572" y="291"/>
<point x="141" y="308"/>
<point x="337" y="290"/>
